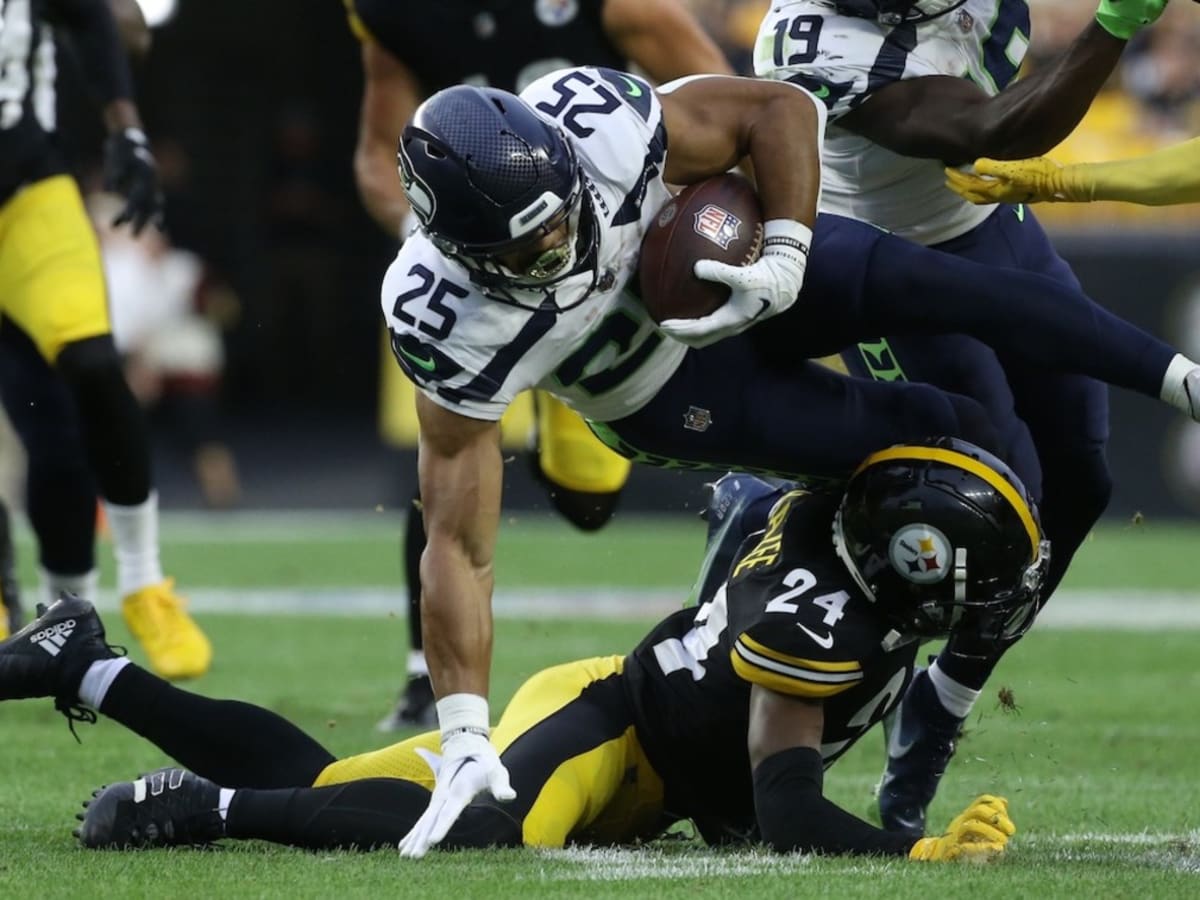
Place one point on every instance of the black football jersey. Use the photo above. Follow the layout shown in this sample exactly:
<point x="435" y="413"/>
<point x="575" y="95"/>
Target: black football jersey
<point x="790" y="619"/>
<point x="505" y="44"/>
<point x="28" y="151"/>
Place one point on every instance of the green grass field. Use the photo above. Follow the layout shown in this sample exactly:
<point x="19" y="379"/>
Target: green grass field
<point x="1099" y="761"/>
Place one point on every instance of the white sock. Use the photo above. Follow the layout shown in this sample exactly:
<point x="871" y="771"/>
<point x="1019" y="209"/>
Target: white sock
<point x="98" y="679"/>
<point x="223" y="801"/>
<point x="134" y="532"/>
<point x="1172" y="385"/>
<point x="84" y="586"/>
<point x="955" y="697"/>
<point x="416" y="663"/>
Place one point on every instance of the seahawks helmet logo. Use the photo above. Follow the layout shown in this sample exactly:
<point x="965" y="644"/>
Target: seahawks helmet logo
<point x="419" y="196"/>
<point x="920" y="553"/>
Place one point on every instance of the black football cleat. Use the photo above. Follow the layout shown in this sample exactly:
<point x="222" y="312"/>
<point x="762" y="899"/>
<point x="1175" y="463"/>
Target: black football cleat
<point x="168" y="808"/>
<point x="417" y="707"/>
<point x="921" y="739"/>
<point x="49" y="656"/>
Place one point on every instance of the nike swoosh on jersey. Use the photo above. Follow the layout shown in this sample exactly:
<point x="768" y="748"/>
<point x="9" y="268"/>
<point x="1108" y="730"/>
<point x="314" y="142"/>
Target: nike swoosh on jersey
<point x="634" y="89"/>
<point x="824" y="642"/>
<point x="421" y="362"/>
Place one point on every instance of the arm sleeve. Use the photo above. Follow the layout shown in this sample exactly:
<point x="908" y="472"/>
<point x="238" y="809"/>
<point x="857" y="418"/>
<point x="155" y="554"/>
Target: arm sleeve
<point x="94" y="31"/>
<point x="793" y="814"/>
<point x="1169" y="176"/>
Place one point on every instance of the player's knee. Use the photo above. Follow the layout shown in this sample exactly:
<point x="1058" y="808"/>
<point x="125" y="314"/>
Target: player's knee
<point x="586" y="511"/>
<point x="972" y="423"/>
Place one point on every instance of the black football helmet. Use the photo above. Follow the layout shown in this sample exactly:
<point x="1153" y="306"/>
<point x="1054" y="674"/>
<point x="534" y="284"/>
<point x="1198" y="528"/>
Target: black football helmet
<point x="942" y="535"/>
<point x="897" y="12"/>
<point x="487" y="176"/>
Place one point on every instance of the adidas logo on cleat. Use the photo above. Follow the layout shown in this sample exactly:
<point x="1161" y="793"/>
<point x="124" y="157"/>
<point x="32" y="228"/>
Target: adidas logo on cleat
<point x="53" y="638"/>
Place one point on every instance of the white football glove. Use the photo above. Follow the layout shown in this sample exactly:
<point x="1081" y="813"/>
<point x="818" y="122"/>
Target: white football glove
<point x="467" y="766"/>
<point x="758" y="291"/>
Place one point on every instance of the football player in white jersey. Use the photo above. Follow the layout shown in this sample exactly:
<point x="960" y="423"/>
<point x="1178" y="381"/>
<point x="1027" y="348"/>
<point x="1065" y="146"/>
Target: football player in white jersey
<point x="912" y="85"/>
<point x="533" y="209"/>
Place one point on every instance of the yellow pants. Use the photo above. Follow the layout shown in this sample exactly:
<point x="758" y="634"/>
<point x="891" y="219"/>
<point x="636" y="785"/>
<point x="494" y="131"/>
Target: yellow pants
<point x="579" y="770"/>
<point x="51" y="277"/>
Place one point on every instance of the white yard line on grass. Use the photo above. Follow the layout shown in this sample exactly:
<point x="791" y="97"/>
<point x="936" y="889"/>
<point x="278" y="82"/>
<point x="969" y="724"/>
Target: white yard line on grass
<point x="1113" y="610"/>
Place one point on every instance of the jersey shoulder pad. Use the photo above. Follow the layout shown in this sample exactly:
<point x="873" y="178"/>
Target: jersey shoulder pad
<point x="441" y="333"/>
<point x="797" y="623"/>
<point x="809" y="637"/>
<point x="613" y="118"/>
<point x="839" y="59"/>
<point x="795" y="519"/>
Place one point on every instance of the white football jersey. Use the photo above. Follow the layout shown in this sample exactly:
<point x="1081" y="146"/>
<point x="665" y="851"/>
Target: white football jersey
<point x="605" y="358"/>
<point x="844" y="59"/>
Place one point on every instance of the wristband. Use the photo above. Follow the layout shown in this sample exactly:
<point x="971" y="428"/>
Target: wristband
<point x="786" y="237"/>
<point x="463" y="714"/>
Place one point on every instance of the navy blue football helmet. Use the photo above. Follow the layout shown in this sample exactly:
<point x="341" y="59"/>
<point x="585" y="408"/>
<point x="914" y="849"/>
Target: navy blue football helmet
<point x="487" y="177"/>
<point x="897" y="12"/>
<point x="943" y="535"/>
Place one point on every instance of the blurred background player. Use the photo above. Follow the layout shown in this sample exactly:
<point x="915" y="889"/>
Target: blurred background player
<point x="1162" y="178"/>
<point x="52" y="296"/>
<point x="915" y="84"/>
<point x="504" y="45"/>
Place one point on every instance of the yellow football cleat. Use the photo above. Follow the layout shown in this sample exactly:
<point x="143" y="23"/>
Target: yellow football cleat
<point x="174" y="643"/>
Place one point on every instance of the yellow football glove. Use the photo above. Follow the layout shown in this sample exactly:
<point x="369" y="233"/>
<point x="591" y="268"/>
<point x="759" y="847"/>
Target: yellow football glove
<point x="1018" y="181"/>
<point x="978" y="834"/>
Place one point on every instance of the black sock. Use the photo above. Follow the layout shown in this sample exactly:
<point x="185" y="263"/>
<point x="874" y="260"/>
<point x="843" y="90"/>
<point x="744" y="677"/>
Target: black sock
<point x="114" y="429"/>
<point x="375" y="812"/>
<point x="414" y="546"/>
<point x="968" y="664"/>
<point x="232" y="743"/>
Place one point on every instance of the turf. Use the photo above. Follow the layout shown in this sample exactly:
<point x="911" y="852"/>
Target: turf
<point x="1098" y="761"/>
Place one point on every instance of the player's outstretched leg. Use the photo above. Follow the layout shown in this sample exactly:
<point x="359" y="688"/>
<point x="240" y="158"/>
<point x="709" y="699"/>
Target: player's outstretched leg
<point x="168" y="808"/>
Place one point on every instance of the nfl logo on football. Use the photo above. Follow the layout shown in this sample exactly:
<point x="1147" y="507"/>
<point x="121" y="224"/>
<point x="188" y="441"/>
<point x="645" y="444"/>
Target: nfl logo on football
<point x="717" y="225"/>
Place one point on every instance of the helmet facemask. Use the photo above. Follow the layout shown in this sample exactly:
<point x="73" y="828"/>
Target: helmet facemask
<point x="535" y="283"/>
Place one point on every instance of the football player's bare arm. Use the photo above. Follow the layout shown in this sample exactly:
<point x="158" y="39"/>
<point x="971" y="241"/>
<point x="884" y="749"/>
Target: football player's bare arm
<point x="663" y="38"/>
<point x="713" y="123"/>
<point x="461" y="475"/>
<point x="131" y="24"/>
<point x="784" y="741"/>
<point x="390" y="95"/>
<point x="951" y="119"/>
<point x="1163" y="178"/>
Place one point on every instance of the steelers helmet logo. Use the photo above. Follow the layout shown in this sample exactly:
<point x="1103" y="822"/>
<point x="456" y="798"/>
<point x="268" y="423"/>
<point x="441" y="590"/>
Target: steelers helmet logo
<point x="920" y="553"/>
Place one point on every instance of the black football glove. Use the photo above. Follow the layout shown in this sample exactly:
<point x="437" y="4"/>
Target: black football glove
<point x="130" y="170"/>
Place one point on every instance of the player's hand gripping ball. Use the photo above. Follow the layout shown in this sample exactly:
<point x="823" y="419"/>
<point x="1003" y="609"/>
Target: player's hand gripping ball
<point x="719" y="218"/>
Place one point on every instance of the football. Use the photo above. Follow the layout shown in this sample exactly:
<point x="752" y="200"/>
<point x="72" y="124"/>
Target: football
<point x="719" y="218"/>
